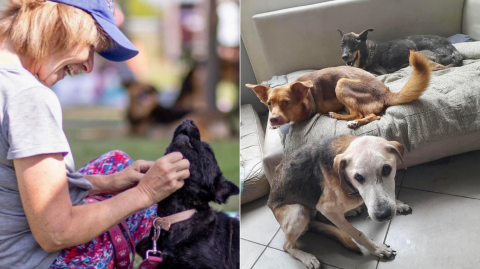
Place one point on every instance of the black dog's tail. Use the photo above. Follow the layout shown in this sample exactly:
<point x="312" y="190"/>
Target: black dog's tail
<point x="416" y="84"/>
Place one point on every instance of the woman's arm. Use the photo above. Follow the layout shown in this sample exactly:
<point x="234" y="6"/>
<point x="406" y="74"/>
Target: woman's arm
<point x="56" y="224"/>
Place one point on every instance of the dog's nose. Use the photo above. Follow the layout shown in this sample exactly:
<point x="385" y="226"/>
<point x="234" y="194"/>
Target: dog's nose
<point x="274" y="120"/>
<point x="383" y="214"/>
<point x="344" y="57"/>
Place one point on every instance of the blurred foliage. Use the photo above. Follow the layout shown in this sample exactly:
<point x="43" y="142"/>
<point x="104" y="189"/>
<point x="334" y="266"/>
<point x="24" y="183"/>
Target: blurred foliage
<point x="139" y="8"/>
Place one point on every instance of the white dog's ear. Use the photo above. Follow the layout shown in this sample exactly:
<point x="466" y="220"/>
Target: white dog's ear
<point x="398" y="149"/>
<point x="339" y="165"/>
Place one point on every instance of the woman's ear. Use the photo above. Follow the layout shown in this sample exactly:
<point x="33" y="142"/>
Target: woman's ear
<point x="225" y="190"/>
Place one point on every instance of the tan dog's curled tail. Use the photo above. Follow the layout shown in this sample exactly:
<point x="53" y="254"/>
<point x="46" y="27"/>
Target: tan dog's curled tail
<point x="416" y="84"/>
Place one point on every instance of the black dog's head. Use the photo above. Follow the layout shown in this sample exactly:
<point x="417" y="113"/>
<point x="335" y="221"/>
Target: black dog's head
<point x="352" y="46"/>
<point x="206" y="182"/>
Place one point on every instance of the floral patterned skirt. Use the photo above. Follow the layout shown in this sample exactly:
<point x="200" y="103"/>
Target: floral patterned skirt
<point x="99" y="252"/>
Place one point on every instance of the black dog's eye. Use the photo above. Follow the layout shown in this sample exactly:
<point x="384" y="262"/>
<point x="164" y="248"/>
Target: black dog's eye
<point x="286" y="103"/>
<point x="359" y="178"/>
<point x="386" y="170"/>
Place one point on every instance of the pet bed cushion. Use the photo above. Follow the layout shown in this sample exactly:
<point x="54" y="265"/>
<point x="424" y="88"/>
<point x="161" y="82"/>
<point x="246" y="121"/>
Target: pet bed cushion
<point x="253" y="181"/>
<point x="443" y="122"/>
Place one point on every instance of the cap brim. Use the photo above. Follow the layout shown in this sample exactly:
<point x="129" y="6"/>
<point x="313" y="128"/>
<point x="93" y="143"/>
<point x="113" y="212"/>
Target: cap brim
<point x="122" y="49"/>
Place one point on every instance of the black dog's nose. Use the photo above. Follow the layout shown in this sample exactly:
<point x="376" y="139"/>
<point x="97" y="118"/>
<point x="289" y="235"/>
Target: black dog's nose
<point x="189" y="122"/>
<point x="344" y="57"/>
<point x="383" y="214"/>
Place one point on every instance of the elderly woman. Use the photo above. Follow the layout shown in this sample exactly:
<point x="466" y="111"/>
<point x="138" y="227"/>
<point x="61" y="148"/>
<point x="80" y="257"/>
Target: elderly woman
<point x="45" y="221"/>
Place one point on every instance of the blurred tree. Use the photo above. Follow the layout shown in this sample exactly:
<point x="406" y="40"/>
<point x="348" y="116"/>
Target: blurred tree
<point x="213" y="64"/>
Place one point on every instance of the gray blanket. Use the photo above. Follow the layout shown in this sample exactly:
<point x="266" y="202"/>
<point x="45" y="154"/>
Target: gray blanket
<point x="449" y="107"/>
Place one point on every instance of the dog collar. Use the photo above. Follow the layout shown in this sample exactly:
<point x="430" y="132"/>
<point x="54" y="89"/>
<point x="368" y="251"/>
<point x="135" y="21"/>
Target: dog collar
<point x="166" y="222"/>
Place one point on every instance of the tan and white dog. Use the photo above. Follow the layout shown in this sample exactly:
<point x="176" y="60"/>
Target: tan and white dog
<point x="333" y="178"/>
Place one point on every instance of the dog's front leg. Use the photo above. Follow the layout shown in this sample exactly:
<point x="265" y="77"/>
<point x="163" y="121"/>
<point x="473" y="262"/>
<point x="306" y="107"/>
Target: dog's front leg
<point x="381" y="250"/>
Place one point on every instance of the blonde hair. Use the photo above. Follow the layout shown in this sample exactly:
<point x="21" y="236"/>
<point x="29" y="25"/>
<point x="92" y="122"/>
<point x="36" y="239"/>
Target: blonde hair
<point x="38" y="28"/>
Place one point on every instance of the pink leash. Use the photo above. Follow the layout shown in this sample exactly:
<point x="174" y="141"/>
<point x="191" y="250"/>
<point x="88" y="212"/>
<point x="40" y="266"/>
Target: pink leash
<point x="120" y="243"/>
<point x="153" y="255"/>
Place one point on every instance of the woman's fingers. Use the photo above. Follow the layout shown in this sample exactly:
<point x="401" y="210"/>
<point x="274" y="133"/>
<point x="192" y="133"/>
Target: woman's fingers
<point x="173" y="157"/>
<point x="183" y="164"/>
<point x="143" y="166"/>
<point x="184" y="174"/>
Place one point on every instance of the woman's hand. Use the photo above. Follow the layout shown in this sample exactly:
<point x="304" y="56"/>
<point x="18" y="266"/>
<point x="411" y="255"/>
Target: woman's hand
<point x="164" y="177"/>
<point x="130" y="176"/>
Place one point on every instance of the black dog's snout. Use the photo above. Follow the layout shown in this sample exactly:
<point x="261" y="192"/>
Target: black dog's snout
<point x="383" y="214"/>
<point x="344" y="57"/>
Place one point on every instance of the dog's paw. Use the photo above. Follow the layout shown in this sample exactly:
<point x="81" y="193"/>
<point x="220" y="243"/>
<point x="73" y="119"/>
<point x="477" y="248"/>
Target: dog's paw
<point x="331" y="115"/>
<point x="403" y="209"/>
<point x="352" y="124"/>
<point x="312" y="262"/>
<point x="385" y="252"/>
<point x="354" y="212"/>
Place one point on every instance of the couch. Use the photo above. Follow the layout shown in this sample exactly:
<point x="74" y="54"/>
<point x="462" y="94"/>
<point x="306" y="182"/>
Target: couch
<point x="299" y="39"/>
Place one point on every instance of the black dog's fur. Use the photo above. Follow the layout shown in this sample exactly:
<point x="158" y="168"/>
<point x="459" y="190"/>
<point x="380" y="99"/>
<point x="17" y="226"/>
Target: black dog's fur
<point x="387" y="57"/>
<point x="209" y="239"/>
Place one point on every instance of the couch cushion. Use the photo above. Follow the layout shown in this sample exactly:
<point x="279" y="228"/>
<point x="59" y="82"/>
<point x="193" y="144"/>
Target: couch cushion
<point x="254" y="183"/>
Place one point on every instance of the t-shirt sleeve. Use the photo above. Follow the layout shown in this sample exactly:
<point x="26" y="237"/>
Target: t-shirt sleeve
<point x="33" y="121"/>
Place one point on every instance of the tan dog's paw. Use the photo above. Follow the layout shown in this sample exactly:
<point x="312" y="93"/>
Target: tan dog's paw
<point x="384" y="252"/>
<point x="312" y="262"/>
<point x="402" y="208"/>
<point x="352" y="124"/>
<point x="354" y="212"/>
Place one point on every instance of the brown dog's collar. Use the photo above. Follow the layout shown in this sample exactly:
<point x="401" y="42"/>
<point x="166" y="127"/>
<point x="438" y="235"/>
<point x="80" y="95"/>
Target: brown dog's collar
<point x="166" y="222"/>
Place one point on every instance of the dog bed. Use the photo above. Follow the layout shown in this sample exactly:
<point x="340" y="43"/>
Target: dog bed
<point x="448" y="111"/>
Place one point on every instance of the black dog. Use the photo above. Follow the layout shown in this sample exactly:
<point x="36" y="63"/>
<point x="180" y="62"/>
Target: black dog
<point x="387" y="57"/>
<point x="209" y="239"/>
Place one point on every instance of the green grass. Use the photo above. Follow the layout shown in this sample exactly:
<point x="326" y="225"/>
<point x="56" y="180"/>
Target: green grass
<point x="84" y="150"/>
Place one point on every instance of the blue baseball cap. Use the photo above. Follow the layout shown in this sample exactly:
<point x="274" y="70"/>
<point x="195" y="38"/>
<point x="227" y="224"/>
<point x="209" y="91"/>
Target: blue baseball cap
<point x="102" y="12"/>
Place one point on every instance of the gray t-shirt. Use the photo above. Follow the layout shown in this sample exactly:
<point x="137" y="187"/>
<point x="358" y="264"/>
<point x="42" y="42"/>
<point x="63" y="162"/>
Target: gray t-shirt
<point x="30" y="124"/>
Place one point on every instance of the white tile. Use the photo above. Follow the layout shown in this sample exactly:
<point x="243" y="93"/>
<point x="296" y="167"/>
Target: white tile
<point x="257" y="222"/>
<point x="275" y="259"/>
<point x="249" y="253"/>
<point x="457" y="175"/>
<point x="442" y="232"/>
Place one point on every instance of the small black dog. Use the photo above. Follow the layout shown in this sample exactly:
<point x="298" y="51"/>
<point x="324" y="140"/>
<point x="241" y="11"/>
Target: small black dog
<point x="209" y="239"/>
<point x="387" y="57"/>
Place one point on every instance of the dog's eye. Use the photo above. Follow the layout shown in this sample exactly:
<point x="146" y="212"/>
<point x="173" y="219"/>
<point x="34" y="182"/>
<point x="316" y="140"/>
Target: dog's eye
<point x="269" y="103"/>
<point x="359" y="178"/>
<point x="386" y="170"/>
<point x="286" y="103"/>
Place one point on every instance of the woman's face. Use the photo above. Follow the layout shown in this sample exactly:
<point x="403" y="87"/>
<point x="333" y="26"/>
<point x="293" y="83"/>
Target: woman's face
<point x="73" y="62"/>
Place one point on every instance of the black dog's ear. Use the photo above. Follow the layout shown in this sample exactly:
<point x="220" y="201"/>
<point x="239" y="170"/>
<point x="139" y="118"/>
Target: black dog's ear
<point x="341" y="32"/>
<point x="225" y="190"/>
<point x="363" y="35"/>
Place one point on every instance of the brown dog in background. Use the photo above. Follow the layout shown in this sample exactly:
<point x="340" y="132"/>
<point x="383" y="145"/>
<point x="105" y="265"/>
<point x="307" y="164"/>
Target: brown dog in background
<point x="331" y="89"/>
<point x="146" y="117"/>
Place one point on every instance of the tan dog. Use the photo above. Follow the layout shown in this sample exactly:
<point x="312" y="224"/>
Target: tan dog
<point x="330" y="89"/>
<point x="352" y="171"/>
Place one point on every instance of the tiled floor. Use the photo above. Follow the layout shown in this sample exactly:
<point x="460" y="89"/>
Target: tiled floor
<point x="442" y="232"/>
